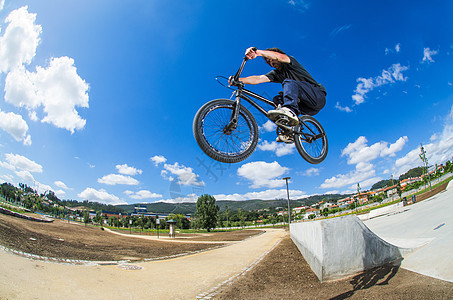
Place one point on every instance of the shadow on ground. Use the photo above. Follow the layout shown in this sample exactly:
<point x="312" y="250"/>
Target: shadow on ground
<point x="368" y="279"/>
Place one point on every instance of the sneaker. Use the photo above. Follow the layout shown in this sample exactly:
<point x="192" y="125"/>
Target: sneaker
<point x="283" y="138"/>
<point x="274" y="114"/>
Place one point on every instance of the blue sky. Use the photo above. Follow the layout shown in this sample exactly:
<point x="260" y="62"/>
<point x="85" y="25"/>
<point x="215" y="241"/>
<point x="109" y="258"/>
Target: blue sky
<point x="98" y="97"/>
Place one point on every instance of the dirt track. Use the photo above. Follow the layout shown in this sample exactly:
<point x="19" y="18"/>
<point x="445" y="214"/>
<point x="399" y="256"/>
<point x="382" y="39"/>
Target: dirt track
<point x="77" y="242"/>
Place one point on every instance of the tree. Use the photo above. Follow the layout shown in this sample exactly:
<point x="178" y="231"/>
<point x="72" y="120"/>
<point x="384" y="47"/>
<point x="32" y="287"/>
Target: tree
<point x="227" y="215"/>
<point x="448" y="166"/>
<point x="241" y="216"/>
<point x="207" y="212"/>
<point x="86" y="218"/>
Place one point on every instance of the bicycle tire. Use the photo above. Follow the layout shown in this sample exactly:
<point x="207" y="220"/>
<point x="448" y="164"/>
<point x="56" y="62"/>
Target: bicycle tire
<point x="208" y="130"/>
<point x="312" y="150"/>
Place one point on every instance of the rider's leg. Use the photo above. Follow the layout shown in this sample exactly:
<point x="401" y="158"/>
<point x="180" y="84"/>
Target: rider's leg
<point x="291" y="90"/>
<point x="278" y="100"/>
<point x="311" y="99"/>
<point x="289" y="102"/>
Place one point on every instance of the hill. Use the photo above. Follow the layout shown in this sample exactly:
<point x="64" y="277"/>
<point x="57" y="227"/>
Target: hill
<point x="247" y="205"/>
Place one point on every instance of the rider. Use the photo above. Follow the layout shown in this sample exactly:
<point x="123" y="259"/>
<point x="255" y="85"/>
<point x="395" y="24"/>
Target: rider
<point x="301" y="93"/>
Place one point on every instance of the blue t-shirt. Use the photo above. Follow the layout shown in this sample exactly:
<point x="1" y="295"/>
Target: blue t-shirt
<point x="295" y="71"/>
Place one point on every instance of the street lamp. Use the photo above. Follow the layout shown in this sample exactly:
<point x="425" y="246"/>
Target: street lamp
<point x="289" y="209"/>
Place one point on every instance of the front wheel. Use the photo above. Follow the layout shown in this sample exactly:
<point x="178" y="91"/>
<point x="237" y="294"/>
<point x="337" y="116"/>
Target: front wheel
<point x="311" y="140"/>
<point x="215" y="136"/>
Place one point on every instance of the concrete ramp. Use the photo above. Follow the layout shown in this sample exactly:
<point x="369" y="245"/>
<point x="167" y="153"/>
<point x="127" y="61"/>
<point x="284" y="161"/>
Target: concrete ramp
<point x="340" y="247"/>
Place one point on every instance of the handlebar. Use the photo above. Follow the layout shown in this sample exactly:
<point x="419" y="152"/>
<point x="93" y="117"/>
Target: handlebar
<point x="235" y="81"/>
<point x="238" y="73"/>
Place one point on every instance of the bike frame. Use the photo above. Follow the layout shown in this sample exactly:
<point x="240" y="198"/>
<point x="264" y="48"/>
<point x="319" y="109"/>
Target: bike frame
<point x="242" y="93"/>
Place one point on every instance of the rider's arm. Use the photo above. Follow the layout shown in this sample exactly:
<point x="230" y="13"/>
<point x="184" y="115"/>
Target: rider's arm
<point x="252" y="53"/>
<point x="256" y="79"/>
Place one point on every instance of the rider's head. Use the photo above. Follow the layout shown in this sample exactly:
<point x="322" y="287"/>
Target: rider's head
<point x="273" y="63"/>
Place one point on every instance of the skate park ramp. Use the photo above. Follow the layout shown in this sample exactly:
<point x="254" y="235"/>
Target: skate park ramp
<point x="340" y="247"/>
<point x="421" y="233"/>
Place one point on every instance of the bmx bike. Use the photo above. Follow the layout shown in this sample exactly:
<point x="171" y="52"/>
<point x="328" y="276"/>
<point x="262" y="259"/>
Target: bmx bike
<point x="226" y="131"/>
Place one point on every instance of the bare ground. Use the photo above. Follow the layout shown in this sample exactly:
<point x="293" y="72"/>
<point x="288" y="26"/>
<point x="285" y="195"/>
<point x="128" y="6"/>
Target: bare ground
<point x="74" y="241"/>
<point x="284" y="274"/>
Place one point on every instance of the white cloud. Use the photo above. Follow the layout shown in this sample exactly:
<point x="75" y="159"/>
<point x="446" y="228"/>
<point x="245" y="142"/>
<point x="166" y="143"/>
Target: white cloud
<point x="269" y="126"/>
<point x="25" y="175"/>
<point x="61" y="185"/>
<point x="191" y="198"/>
<point x="360" y="154"/>
<point x="263" y="174"/>
<point x="280" y="149"/>
<point x="366" y="85"/>
<point x="126" y="170"/>
<point x="143" y="194"/>
<point x="301" y="5"/>
<point x="311" y="172"/>
<point x="22" y="163"/>
<point x="114" y="179"/>
<point x="341" y="108"/>
<point x="428" y="55"/>
<point x="158" y="159"/>
<point x="397" y="49"/>
<point x="6" y="178"/>
<point x="359" y="151"/>
<point x="60" y="193"/>
<point x="340" y="29"/>
<point x="16" y="126"/>
<point x="270" y="194"/>
<point x="42" y="188"/>
<point x="57" y="88"/>
<point x="184" y="175"/>
<point x="102" y="196"/>
<point x="20" y="40"/>
<point x="437" y="152"/>
<point x="410" y="160"/>
<point x="350" y="178"/>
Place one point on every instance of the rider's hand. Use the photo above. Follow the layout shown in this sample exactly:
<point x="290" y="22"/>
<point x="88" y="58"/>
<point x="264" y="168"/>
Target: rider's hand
<point x="231" y="81"/>
<point x="250" y="53"/>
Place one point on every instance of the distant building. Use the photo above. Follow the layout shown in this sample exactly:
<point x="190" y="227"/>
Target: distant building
<point x="408" y="181"/>
<point x="298" y="210"/>
<point x="140" y="209"/>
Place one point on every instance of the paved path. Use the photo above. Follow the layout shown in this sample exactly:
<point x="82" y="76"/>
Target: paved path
<point x="428" y="224"/>
<point x="166" y="238"/>
<point x="179" y="278"/>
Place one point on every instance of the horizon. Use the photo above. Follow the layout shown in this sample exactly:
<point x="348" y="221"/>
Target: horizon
<point x="99" y="98"/>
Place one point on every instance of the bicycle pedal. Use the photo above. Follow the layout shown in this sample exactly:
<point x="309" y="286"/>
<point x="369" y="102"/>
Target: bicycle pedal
<point x="283" y="120"/>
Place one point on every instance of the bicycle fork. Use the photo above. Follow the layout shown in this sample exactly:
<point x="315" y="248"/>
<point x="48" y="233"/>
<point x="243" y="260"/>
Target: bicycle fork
<point x="233" y="124"/>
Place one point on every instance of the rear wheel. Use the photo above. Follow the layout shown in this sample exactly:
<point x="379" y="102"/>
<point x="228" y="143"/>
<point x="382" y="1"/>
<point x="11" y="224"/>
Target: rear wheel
<point x="210" y="128"/>
<point x="311" y="140"/>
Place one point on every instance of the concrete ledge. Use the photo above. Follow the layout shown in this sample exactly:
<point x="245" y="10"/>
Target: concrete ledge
<point x="341" y="247"/>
